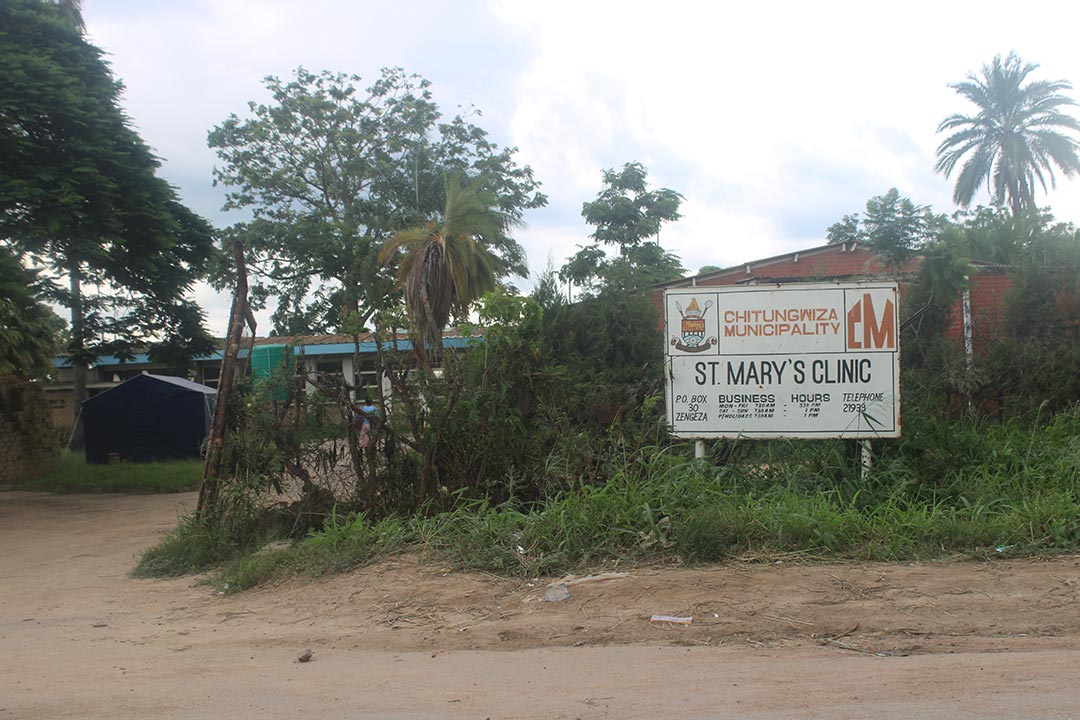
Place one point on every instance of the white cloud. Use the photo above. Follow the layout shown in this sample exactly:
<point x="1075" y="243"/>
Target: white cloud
<point x="751" y="98"/>
<point x="773" y="119"/>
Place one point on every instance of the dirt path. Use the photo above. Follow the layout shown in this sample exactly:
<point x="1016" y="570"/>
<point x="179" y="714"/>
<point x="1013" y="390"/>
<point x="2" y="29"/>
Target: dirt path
<point x="410" y="639"/>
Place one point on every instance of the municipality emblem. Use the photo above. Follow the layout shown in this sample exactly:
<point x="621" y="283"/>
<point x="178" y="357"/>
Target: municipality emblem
<point x="693" y="328"/>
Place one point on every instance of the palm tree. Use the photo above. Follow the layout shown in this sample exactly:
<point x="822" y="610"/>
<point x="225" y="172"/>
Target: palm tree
<point x="448" y="262"/>
<point x="1015" y="139"/>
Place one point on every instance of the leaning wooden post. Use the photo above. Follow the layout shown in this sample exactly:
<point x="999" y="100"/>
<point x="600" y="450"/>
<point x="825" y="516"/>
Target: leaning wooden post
<point x="210" y="488"/>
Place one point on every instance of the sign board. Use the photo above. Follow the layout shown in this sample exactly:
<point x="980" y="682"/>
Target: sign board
<point x="808" y="360"/>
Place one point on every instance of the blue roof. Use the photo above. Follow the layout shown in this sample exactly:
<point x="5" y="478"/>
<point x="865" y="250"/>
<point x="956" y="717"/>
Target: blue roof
<point x="366" y="348"/>
<point x="140" y="358"/>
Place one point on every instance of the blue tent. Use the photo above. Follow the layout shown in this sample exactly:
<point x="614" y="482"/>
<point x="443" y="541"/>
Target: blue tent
<point x="147" y="418"/>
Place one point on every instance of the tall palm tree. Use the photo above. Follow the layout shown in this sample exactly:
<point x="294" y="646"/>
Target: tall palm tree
<point x="448" y="262"/>
<point x="1019" y="135"/>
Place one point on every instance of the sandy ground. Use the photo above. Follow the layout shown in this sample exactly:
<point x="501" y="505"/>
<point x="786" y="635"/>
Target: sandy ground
<point x="410" y="639"/>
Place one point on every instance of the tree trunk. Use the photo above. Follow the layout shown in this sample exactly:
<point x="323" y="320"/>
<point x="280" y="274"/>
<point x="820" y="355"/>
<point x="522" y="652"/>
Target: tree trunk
<point x="210" y="488"/>
<point x="78" y="348"/>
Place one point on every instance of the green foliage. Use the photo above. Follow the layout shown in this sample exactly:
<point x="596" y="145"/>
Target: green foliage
<point x="331" y="173"/>
<point x="1026" y="376"/>
<point x="450" y="262"/>
<point x="546" y="292"/>
<point x="973" y="488"/>
<point x="928" y="305"/>
<point x="584" y="266"/>
<point x="1045" y="301"/>
<point x="994" y="234"/>
<point x="195" y="546"/>
<point x="542" y="448"/>
<point x="637" y="268"/>
<point x="75" y="475"/>
<point x="614" y="338"/>
<point x="894" y="226"/>
<point x="1019" y="135"/>
<point x="510" y="412"/>
<point x="628" y="215"/>
<point x="1031" y="365"/>
<point x="79" y="194"/>
<point x="29" y="330"/>
<point x="626" y="212"/>
<point x="343" y="543"/>
<point x="531" y="407"/>
<point x="280" y="431"/>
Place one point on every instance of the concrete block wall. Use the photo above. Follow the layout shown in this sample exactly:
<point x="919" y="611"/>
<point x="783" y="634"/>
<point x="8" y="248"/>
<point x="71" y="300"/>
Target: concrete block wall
<point x="29" y="446"/>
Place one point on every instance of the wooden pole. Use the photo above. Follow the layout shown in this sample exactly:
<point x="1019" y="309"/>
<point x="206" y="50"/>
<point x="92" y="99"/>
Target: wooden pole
<point x="210" y="489"/>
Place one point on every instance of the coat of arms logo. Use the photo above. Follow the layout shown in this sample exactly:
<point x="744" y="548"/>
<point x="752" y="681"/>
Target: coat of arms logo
<point x="693" y="328"/>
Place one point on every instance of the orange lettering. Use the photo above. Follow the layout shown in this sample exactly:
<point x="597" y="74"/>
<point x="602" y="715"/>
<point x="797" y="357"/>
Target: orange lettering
<point x="877" y="335"/>
<point x="854" y="317"/>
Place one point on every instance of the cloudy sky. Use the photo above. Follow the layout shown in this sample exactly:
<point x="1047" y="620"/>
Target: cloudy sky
<point x="773" y="119"/>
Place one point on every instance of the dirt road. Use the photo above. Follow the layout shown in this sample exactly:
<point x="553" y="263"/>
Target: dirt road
<point x="410" y="639"/>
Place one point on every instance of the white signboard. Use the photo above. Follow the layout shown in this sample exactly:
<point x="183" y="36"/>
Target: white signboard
<point x="804" y="361"/>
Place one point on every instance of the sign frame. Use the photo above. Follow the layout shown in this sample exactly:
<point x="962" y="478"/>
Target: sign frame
<point x="813" y="360"/>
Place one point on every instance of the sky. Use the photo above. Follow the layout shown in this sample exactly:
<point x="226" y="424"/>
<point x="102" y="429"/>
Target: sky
<point x="773" y="119"/>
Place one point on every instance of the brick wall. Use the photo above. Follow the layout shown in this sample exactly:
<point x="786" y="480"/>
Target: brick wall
<point x="987" y="290"/>
<point x="28" y="443"/>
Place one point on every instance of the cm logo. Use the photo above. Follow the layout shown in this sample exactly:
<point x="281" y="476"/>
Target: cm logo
<point x="871" y="320"/>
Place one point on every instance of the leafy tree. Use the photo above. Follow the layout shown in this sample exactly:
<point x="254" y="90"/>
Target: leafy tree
<point x="929" y="299"/>
<point x="1019" y="135"/>
<point x="546" y="293"/>
<point x="625" y="212"/>
<point x="585" y="266"/>
<point x="79" y="195"/>
<point x="845" y="230"/>
<point x="627" y="215"/>
<point x="894" y="226"/>
<point x="28" y="328"/>
<point x="994" y="234"/>
<point x="450" y="262"/>
<point x="331" y="173"/>
<point x="639" y="267"/>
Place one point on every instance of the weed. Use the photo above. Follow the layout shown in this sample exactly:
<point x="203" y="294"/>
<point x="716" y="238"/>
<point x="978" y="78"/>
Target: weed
<point x="194" y="546"/>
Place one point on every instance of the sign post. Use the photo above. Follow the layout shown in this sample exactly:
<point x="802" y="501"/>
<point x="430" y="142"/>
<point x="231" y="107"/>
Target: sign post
<point x="811" y="360"/>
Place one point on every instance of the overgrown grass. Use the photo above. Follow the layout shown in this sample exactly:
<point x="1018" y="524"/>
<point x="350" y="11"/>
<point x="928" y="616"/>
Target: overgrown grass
<point x="75" y="475"/>
<point x="965" y="488"/>
<point x="192" y="547"/>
